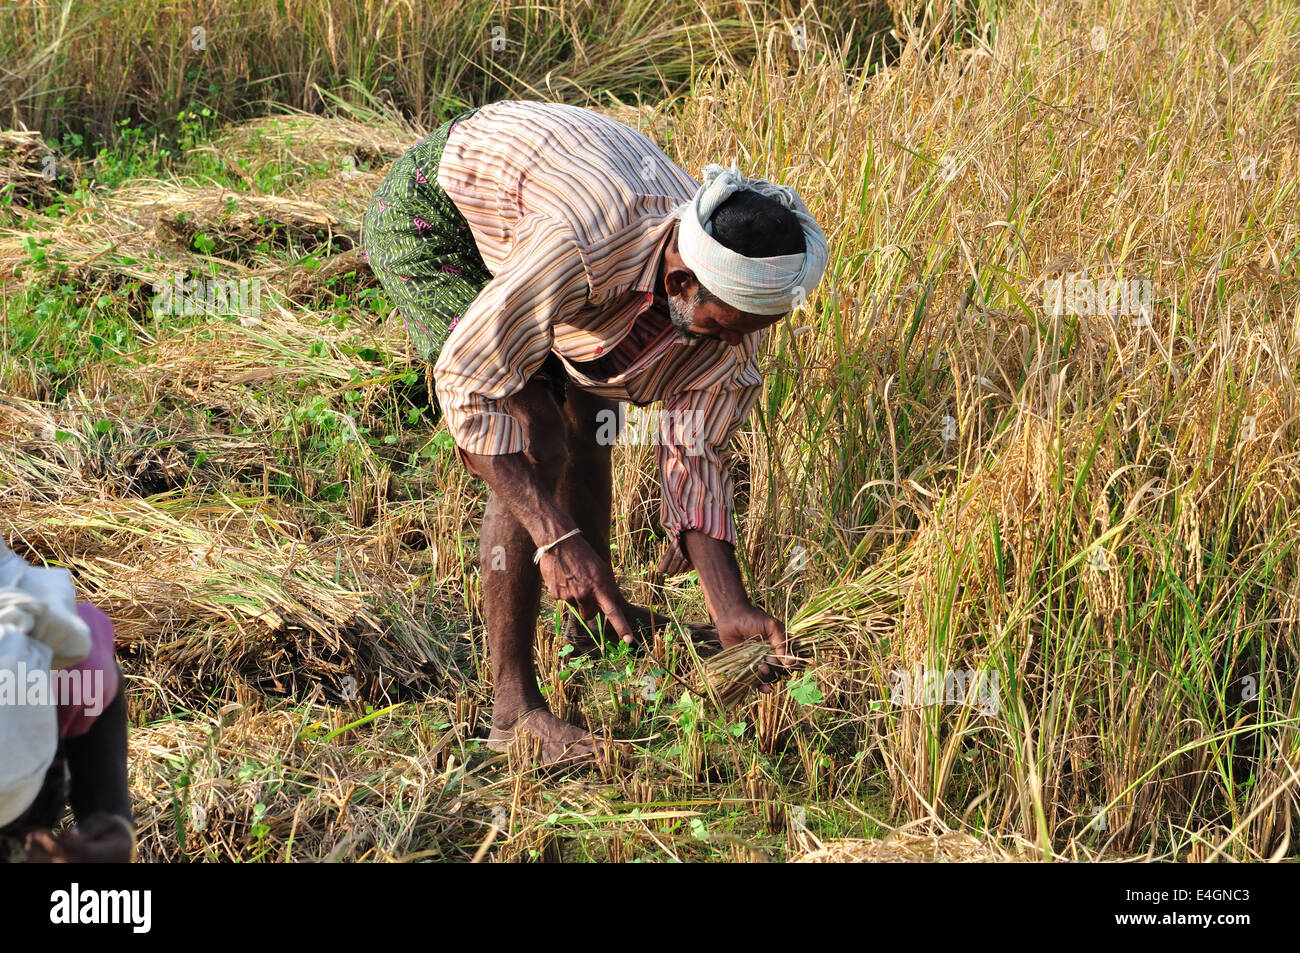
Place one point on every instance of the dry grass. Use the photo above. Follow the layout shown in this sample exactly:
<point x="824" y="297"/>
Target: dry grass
<point x="903" y="847"/>
<point x="27" y="178"/>
<point x="85" y="67"/>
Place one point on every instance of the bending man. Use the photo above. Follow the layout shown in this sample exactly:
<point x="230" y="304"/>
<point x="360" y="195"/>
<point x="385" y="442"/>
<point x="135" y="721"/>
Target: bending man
<point x="552" y="262"/>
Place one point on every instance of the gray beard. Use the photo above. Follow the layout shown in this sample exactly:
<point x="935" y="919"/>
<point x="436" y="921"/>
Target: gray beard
<point x="682" y="314"/>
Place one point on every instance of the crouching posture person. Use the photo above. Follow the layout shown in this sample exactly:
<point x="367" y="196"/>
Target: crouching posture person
<point x="551" y="262"/>
<point x="62" y="723"/>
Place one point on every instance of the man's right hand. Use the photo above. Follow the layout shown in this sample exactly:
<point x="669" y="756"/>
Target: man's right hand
<point x="572" y="570"/>
<point x="573" y="573"/>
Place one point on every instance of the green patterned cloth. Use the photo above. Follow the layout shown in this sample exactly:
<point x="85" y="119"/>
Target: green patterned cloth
<point x="420" y="246"/>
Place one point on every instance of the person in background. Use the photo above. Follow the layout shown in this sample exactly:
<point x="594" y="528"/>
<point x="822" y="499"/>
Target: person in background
<point x="62" y="723"/>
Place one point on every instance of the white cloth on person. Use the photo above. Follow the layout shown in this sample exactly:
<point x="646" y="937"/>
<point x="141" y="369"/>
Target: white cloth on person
<point x="40" y="631"/>
<point x="772" y="285"/>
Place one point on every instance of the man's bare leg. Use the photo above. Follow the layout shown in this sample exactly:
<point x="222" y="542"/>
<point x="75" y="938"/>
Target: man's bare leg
<point x="512" y="594"/>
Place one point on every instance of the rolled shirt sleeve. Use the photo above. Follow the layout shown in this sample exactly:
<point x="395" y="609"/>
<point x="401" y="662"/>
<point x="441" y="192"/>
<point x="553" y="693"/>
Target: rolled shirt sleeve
<point x="695" y="455"/>
<point x="505" y="335"/>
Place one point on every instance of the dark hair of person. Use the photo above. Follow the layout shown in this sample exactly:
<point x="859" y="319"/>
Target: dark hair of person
<point x="755" y="226"/>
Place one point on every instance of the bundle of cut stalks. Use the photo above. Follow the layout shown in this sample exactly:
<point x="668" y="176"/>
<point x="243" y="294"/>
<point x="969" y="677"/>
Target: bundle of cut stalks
<point x="306" y="139"/>
<point x="309" y="286"/>
<point x="821" y="630"/>
<point x="25" y="164"/>
<point x="902" y="847"/>
<point x="233" y="219"/>
<point x="732" y="673"/>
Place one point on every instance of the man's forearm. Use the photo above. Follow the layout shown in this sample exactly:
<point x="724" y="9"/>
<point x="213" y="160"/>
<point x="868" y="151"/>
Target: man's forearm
<point x="715" y="562"/>
<point x="514" y="478"/>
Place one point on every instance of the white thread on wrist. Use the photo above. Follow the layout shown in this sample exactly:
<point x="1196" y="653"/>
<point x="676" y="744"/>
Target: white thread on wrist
<point x="543" y="550"/>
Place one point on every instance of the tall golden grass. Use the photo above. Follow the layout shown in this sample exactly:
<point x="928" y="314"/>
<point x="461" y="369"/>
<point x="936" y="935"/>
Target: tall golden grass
<point x="1096" y="512"/>
<point x="83" y="67"/>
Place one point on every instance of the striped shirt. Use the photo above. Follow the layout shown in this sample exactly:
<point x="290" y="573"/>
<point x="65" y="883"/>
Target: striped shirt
<point x="571" y="212"/>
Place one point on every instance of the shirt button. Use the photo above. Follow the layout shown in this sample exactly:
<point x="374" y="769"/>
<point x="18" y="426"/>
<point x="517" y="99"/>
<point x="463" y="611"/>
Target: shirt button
<point x="599" y="349"/>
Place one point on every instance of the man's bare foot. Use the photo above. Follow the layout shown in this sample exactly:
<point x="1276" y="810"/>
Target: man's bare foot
<point x="561" y="742"/>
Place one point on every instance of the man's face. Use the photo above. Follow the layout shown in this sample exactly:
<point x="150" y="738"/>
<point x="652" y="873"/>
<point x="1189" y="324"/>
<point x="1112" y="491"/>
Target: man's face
<point x="710" y="320"/>
<point x="698" y="319"/>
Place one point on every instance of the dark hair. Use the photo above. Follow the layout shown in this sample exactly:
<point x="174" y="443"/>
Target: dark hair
<point x="755" y="226"/>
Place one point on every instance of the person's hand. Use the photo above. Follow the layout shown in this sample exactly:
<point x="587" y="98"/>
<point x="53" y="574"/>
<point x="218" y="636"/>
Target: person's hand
<point x="101" y="839"/>
<point x="746" y="621"/>
<point x="575" y="574"/>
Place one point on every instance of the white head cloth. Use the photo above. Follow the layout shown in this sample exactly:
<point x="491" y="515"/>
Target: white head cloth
<point x="39" y="631"/>
<point x="757" y="285"/>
